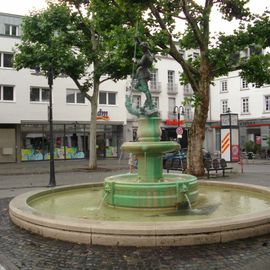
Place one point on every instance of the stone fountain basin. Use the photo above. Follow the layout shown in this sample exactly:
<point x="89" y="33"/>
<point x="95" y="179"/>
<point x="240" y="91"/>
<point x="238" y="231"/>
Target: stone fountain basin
<point x="156" y="233"/>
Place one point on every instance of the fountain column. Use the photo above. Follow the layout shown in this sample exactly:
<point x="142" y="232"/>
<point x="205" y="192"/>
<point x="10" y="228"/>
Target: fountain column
<point x="149" y="161"/>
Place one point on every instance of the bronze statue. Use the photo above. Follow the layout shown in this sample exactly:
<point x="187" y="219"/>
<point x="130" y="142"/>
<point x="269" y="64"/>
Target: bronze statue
<point x="142" y="78"/>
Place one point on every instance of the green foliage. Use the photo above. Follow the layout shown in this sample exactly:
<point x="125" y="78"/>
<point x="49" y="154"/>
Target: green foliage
<point x="257" y="69"/>
<point x="251" y="146"/>
<point x="234" y="9"/>
<point x="62" y="37"/>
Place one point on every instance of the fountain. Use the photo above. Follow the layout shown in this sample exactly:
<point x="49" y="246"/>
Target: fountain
<point x="150" y="208"/>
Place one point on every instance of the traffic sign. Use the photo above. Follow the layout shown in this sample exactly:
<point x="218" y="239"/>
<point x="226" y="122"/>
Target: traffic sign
<point x="179" y="131"/>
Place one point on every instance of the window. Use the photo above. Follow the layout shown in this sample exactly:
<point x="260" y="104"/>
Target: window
<point x="6" y="93"/>
<point x="171" y="76"/>
<point x="154" y="75"/>
<point x="267" y="103"/>
<point x="75" y="96"/>
<point x="188" y="113"/>
<point x="171" y="104"/>
<point x="137" y="101"/>
<point x="11" y="30"/>
<point x="39" y="94"/>
<point x="156" y="101"/>
<point x="244" y="84"/>
<point x="256" y="85"/>
<point x="171" y="80"/>
<point x="107" y="98"/>
<point x="6" y="60"/>
<point x="245" y="105"/>
<point x="224" y="86"/>
<point x="224" y="106"/>
<point x="112" y="98"/>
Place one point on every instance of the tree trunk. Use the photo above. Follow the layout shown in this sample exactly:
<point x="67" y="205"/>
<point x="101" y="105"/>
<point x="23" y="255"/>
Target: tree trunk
<point x="93" y="128"/>
<point x="197" y="131"/>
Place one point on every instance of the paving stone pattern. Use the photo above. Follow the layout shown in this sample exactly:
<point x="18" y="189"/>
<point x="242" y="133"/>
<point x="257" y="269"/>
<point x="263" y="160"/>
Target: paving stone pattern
<point x="29" y="251"/>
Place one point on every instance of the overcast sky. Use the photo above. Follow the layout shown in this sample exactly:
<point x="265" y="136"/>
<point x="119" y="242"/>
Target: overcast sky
<point x="23" y="7"/>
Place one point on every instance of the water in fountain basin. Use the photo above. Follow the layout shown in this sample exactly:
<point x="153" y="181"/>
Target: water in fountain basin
<point x="212" y="203"/>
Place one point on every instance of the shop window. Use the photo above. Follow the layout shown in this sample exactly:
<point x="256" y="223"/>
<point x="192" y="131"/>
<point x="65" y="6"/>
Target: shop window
<point x="39" y="94"/>
<point x="6" y="93"/>
<point x="11" y="30"/>
<point x="75" y="141"/>
<point x="107" y="98"/>
<point x="74" y="97"/>
<point x="32" y="138"/>
<point x="6" y="60"/>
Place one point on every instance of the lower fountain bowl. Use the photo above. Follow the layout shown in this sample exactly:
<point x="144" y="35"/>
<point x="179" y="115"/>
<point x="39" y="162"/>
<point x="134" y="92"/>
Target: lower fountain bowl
<point x="228" y="211"/>
<point x="173" y="190"/>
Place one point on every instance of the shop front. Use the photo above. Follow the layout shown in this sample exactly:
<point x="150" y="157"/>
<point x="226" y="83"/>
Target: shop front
<point x="71" y="141"/>
<point x="169" y="132"/>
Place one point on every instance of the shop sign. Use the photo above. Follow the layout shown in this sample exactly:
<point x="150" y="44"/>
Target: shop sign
<point x="174" y="122"/>
<point x="103" y="115"/>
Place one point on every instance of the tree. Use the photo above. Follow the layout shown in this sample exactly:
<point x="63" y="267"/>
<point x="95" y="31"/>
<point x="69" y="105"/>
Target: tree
<point x="158" y="21"/>
<point x="69" y="38"/>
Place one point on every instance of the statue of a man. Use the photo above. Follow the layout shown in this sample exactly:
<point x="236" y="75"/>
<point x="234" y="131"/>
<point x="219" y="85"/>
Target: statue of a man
<point x="143" y="74"/>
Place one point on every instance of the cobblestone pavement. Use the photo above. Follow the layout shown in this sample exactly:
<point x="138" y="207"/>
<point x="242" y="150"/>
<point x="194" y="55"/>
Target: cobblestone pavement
<point x="20" y="249"/>
<point x="29" y="251"/>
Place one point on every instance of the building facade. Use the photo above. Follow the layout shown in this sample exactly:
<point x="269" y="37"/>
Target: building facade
<point x="250" y="102"/>
<point x="24" y="100"/>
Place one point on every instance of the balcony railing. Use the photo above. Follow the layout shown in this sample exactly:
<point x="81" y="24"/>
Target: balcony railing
<point x="187" y="90"/>
<point x="172" y="88"/>
<point x="155" y="87"/>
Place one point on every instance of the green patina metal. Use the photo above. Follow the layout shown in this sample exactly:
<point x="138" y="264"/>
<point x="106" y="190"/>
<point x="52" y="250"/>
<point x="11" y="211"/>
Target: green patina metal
<point x="150" y="188"/>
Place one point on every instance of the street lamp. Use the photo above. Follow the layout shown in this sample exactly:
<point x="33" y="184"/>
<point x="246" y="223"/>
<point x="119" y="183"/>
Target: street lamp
<point x="52" y="182"/>
<point x="179" y="110"/>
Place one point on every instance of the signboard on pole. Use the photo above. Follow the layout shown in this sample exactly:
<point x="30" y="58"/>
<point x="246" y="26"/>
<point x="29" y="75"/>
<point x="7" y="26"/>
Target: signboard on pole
<point x="179" y="131"/>
<point x="226" y="144"/>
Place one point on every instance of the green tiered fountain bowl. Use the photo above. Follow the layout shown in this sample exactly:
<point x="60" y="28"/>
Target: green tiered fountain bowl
<point x="150" y="188"/>
<point x="173" y="192"/>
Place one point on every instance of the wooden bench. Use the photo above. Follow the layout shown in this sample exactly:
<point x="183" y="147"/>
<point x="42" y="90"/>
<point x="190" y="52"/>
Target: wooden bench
<point x="216" y="166"/>
<point x="176" y="164"/>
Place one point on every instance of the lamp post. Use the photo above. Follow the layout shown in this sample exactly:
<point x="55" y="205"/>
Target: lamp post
<point x="52" y="182"/>
<point x="180" y="110"/>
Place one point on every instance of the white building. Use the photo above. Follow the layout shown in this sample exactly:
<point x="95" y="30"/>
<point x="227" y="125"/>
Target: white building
<point x="24" y="108"/>
<point x="251" y="103"/>
<point x="24" y="103"/>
